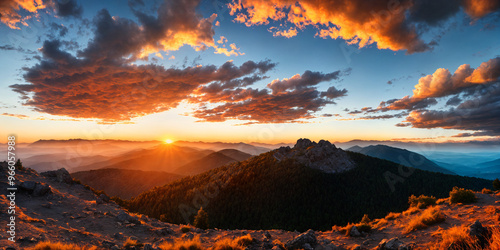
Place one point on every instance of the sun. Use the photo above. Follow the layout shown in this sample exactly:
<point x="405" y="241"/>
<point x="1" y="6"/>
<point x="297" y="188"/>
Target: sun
<point x="168" y="141"/>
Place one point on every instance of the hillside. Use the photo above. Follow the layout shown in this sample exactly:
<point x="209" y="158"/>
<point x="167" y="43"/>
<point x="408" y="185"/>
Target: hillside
<point x="165" y="157"/>
<point x="272" y="191"/>
<point x="63" y="213"/>
<point x="488" y="170"/>
<point x="124" y="183"/>
<point x="400" y="156"/>
<point x="217" y="146"/>
<point x="209" y="162"/>
<point x="235" y="154"/>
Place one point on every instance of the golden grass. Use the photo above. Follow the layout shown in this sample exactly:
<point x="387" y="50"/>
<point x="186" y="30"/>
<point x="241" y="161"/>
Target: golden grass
<point x="47" y="245"/>
<point x="430" y="216"/>
<point x="131" y="243"/>
<point x="411" y="210"/>
<point x="193" y="244"/>
<point x="239" y="243"/>
<point x="486" y="191"/>
<point x="392" y="216"/>
<point x="245" y="240"/>
<point x="494" y="242"/>
<point x="456" y="238"/>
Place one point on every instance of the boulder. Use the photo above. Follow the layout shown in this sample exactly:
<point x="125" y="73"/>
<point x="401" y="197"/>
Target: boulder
<point x="28" y="185"/>
<point x="476" y="230"/>
<point x="61" y="175"/>
<point x="307" y="239"/>
<point x="41" y="189"/>
<point x="393" y="244"/>
<point x="122" y="217"/>
<point x="354" y="232"/>
<point x="104" y="197"/>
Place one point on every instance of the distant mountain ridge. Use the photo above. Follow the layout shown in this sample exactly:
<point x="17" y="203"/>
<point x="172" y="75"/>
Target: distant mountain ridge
<point x="124" y="183"/>
<point x="211" y="161"/>
<point x="265" y="192"/>
<point x="401" y="156"/>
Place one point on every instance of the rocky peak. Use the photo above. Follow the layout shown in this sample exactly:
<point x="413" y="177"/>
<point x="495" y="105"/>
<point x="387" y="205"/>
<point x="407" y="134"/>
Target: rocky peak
<point x="322" y="155"/>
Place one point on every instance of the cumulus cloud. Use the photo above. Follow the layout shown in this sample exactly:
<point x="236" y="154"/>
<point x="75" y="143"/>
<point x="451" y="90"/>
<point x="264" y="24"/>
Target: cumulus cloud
<point x="15" y="12"/>
<point x="114" y="90"/>
<point x="288" y="100"/>
<point x="473" y="100"/>
<point x="394" y="25"/>
<point x="443" y="83"/>
<point x="67" y="8"/>
<point x="9" y="11"/>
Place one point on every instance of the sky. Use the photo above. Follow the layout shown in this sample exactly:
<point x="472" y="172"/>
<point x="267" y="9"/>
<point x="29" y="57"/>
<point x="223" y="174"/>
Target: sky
<point x="250" y="70"/>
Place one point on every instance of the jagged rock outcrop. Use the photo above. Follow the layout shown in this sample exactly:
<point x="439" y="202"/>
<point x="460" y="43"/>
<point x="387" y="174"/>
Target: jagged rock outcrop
<point x="61" y="175"/>
<point x="305" y="240"/>
<point x="35" y="188"/>
<point x="393" y="244"/>
<point x="323" y="156"/>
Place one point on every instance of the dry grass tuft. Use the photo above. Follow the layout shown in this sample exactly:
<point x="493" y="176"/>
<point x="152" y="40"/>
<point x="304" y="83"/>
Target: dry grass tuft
<point x="193" y="244"/>
<point x="494" y="242"/>
<point x="392" y="216"/>
<point x="411" y="210"/>
<point x="245" y="240"/>
<point x="227" y="244"/>
<point x="239" y="243"/>
<point x="131" y="243"/>
<point x="47" y="245"/>
<point x="456" y="238"/>
<point x="430" y="216"/>
<point x="486" y="191"/>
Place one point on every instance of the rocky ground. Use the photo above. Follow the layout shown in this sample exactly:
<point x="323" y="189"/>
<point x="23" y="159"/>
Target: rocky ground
<point x="52" y="207"/>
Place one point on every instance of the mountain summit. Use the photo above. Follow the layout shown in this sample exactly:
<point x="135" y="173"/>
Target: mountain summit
<point x="323" y="156"/>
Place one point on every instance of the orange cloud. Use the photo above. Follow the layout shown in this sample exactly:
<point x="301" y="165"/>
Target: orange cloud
<point x="113" y="90"/>
<point x="9" y="11"/>
<point x="480" y="8"/>
<point x="473" y="104"/>
<point x="388" y="24"/>
<point x="291" y="100"/>
<point x="284" y="33"/>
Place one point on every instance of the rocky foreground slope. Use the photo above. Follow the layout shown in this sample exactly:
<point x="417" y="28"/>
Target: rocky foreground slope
<point x="52" y="207"/>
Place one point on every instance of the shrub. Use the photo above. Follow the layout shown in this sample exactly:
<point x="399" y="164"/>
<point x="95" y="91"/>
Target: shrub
<point x="185" y="229"/>
<point x="460" y="195"/>
<point x="362" y="226"/>
<point x="119" y="201"/>
<point x="129" y="243"/>
<point x="227" y="244"/>
<point x="430" y="216"/>
<point x="365" y="219"/>
<point x="422" y="201"/>
<point x="47" y="245"/>
<point x="496" y="184"/>
<point x="244" y="240"/>
<point x="486" y="191"/>
<point x="193" y="244"/>
<point x="201" y="219"/>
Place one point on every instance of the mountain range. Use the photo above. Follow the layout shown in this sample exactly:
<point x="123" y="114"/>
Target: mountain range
<point x="290" y="188"/>
<point x="400" y="156"/>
